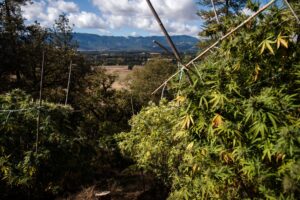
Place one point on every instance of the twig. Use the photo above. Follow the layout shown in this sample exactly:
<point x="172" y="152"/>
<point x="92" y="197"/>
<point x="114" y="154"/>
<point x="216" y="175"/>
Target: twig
<point x="17" y="110"/>
<point x="69" y="81"/>
<point x="163" y="91"/>
<point x="7" y="117"/>
<point x="131" y="101"/>
<point x="215" y="11"/>
<point x="40" y="103"/>
<point x="162" y="27"/>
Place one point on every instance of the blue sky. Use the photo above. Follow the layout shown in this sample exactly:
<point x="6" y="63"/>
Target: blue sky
<point x="118" y="17"/>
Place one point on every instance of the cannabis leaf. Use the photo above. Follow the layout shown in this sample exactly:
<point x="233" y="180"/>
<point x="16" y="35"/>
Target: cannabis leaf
<point x="267" y="44"/>
<point x="281" y="41"/>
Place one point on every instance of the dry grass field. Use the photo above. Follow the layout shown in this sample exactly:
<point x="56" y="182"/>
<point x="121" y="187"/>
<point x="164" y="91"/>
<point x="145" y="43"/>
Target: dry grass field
<point x="122" y="73"/>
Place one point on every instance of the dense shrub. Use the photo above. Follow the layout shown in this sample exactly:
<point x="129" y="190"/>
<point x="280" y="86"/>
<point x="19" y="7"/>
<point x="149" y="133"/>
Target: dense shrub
<point x="62" y="159"/>
<point x="235" y="134"/>
<point x="144" y="80"/>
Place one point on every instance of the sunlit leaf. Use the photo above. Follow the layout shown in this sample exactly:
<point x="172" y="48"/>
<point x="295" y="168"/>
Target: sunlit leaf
<point x="267" y="44"/>
<point x="257" y="72"/>
<point x="190" y="146"/>
<point x="217" y="121"/>
<point x="180" y="99"/>
<point x="281" y="41"/>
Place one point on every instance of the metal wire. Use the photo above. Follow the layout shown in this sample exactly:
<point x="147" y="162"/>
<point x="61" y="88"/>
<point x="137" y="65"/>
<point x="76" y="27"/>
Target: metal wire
<point x="19" y="110"/>
<point x="163" y="92"/>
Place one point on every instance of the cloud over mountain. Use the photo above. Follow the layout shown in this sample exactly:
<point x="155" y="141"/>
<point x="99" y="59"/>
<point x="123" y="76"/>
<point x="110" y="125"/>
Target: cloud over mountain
<point x="179" y="16"/>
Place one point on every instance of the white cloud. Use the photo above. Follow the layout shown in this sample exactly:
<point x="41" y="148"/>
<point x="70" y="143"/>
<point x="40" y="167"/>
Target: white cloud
<point x="134" y="34"/>
<point x="64" y="6"/>
<point x="34" y="11"/>
<point x="176" y="27"/>
<point x="116" y="21"/>
<point x="179" y="16"/>
<point x="176" y="9"/>
<point x="86" y="20"/>
<point x="47" y="11"/>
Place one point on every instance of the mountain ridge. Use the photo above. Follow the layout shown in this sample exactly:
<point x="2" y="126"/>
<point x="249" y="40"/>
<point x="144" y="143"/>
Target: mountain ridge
<point x="94" y="42"/>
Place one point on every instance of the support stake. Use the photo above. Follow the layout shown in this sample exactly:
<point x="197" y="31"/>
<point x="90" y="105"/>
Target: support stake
<point x="40" y="103"/>
<point x="162" y="47"/>
<point x="169" y="40"/>
<point x="215" y="11"/>
<point x="69" y="82"/>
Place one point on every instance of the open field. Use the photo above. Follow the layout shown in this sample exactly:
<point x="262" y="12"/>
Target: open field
<point x="122" y="72"/>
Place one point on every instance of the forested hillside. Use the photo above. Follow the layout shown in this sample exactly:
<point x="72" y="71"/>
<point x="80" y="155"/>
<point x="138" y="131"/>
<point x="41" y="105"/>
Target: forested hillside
<point x="92" y="42"/>
<point x="226" y="125"/>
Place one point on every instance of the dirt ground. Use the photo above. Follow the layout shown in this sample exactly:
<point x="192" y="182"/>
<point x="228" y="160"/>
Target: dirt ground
<point x="123" y="187"/>
<point x="122" y="73"/>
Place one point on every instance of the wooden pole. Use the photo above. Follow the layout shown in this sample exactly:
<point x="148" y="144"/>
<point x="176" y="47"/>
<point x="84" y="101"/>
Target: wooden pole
<point x="217" y="42"/>
<point x="215" y="11"/>
<point x="162" y="47"/>
<point x="132" y="108"/>
<point x="166" y="81"/>
<point x="162" y="27"/>
<point x="40" y="103"/>
<point x="169" y="40"/>
<point x="69" y="82"/>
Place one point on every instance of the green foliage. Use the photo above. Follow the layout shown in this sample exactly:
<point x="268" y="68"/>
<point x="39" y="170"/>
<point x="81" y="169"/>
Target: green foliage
<point x="105" y="111"/>
<point x="21" y="54"/>
<point x="155" y="142"/>
<point x="145" y="80"/>
<point x="54" y="164"/>
<point x="235" y="133"/>
<point x="74" y="145"/>
<point x="11" y="34"/>
<point x="76" y="141"/>
<point x="225" y="10"/>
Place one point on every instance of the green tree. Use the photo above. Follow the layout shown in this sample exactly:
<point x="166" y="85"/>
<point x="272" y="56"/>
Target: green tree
<point x="60" y="51"/>
<point x="106" y="110"/>
<point x="12" y="30"/>
<point x="101" y="113"/>
<point x="145" y="80"/>
<point x="215" y="15"/>
<point x="61" y="36"/>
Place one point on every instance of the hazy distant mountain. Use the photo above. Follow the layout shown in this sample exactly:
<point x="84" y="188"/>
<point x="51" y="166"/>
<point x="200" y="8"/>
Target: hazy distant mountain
<point x="93" y="42"/>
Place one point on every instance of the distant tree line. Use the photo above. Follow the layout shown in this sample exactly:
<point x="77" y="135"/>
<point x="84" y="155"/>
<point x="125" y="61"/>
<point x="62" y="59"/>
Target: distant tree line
<point x="125" y="58"/>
